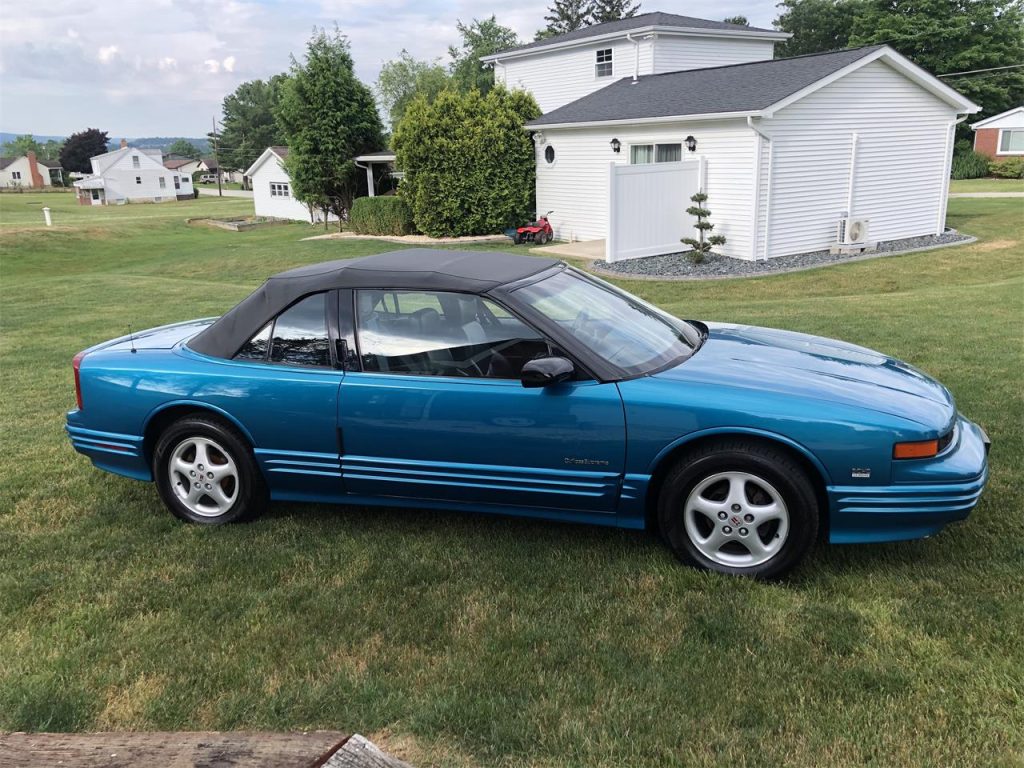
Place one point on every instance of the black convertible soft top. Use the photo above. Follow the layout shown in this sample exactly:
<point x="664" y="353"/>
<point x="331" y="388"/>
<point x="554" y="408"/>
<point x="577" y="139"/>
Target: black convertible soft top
<point x="409" y="269"/>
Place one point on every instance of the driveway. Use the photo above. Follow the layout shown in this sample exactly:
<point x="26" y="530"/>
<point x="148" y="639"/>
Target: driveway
<point x="203" y="191"/>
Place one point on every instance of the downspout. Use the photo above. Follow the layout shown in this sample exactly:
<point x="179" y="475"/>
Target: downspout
<point x="762" y="137"/>
<point x="944" y="202"/>
<point x="636" y="56"/>
<point x="854" y="139"/>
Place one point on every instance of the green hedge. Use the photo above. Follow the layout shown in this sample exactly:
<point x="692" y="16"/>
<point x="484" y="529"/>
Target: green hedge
<point x="1010" y="168"/>
<point x="468" y="163"/>
<point x="385" y="215"/>
<point x="969" y="165"/>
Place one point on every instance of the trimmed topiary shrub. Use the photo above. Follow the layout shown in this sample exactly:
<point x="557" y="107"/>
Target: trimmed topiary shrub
<point x="969" y="165"/>
<point x="1009" y="168"/>
<point x="386" y="215"/>
<point x="469" y="165"/>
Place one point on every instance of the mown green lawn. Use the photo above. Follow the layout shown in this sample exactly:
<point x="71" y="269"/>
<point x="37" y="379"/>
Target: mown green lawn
<point x="464" y="640"/>
<point x="986" y="185"/>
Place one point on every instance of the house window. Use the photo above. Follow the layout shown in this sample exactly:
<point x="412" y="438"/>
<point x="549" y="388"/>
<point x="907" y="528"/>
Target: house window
<point x="95" y="194"/>
<point x="1011" y="141"/>
<point x="549" y="154"/>
<point x="278" y="189"/>
<point x="16" y="175"/>
<point x="138" y="179"/>
<point x="603" y="68"/>
<point x="177" y="182"/>
<point x="643" y="154"/>
<point x="135" y="161"/>
<point x="163" y="183"/>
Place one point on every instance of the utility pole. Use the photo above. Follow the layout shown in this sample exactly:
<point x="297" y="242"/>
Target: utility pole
<point x="216" y="153"/>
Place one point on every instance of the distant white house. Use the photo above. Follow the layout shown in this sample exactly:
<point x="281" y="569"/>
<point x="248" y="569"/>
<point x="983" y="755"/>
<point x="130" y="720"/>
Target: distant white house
<point x="795" y="154"/>
<point x="272" y="189"/>
<point x="212" y="166"/>
<point x="27" y="172"/>
<point x="184" y="165"/>
<point x="131" y="175"/>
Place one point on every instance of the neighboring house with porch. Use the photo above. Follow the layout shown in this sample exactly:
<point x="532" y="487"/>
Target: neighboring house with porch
<point x="28" y="173"/>
<point x="641" y="113"/>
<point x="131" y="175"/>
<point x="1000" y="136"/>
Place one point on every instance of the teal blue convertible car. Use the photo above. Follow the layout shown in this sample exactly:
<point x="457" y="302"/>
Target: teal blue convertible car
<point x="517" y="385"/>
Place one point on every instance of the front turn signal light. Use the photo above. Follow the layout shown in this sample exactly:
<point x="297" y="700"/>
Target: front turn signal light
<point x="924" y="449"/>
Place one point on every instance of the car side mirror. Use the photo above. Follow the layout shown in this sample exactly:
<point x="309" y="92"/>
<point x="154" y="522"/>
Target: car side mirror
<point x="545" y="371"/>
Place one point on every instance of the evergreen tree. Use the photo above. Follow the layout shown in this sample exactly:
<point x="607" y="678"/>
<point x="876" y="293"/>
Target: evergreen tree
<point x="249" y="123"/>
<point x="328" y="118"/>
<point x="612" y="10"/>
<point x="567" y="16"/>
<point x="740" y="20"/>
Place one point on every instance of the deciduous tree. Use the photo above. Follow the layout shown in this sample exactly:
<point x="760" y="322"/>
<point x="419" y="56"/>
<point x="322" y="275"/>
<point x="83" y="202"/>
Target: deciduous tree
<point x="327" y="117"/>
<point x="22" y="145"/>
<point x="79" y="147"/>
<point x="479" y="38"/>
<point x="249" y="123"/>
<point x="741" y="20"/>
<point x="404" y="78"/>
<point x="184" y="148"/>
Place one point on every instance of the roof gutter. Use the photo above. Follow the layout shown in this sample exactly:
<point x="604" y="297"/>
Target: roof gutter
<point x="636" y="57"/>
<point x="644" y="120"/>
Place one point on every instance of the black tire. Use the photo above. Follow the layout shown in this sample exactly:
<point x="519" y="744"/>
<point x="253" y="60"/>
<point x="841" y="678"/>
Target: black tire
<point x="780" y="473"/>
<point x="247" y="487"/>
<point x="542" y="238"/>
<point x="518" y="239"/>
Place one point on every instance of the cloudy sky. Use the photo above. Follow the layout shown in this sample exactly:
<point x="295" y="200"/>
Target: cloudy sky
<point x="161" y="67"/>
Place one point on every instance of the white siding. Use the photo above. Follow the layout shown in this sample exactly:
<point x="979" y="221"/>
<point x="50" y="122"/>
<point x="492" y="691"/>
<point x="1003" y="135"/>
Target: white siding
<point x="575" y="186"/>
<point x="21" y="166"/>
<point x="556" y="78"/>
<point x="559" y="77"/>
<point x="120" y="185"/>
<point x="902" y="161"/>
<point x="676" y="53"/>
<point x="275" y="206"/>
<point x="1011" y="119"/>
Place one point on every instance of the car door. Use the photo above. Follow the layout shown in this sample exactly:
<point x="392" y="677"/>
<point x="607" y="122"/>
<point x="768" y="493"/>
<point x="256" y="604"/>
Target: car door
<point x="438" y="412"/>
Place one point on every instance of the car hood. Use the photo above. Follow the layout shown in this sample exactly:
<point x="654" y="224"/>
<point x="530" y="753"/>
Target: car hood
<point x="813" y="367"/>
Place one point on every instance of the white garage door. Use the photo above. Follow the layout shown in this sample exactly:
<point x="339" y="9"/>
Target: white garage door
<point x="647" y="208"/>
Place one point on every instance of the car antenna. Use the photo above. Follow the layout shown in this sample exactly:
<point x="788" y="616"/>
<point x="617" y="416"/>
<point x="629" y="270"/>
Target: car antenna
<point x="131" y="339"/>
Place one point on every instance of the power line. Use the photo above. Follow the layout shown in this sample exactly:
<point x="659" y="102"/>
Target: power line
<point x="976" y="71"/>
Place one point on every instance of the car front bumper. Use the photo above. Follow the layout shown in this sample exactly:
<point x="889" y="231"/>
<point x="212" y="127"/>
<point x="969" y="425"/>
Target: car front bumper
<point x="915" y="509"/>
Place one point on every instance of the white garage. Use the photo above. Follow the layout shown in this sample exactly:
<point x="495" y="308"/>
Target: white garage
<point x="784" y="149"/>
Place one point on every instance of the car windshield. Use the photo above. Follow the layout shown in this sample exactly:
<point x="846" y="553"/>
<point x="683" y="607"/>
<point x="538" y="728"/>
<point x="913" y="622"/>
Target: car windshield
<point x="625" y="331"/>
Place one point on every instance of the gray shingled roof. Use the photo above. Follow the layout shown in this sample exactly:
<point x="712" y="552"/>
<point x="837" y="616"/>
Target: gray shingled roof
<point x="638" y="22"/>
<point x="734" y="88"/>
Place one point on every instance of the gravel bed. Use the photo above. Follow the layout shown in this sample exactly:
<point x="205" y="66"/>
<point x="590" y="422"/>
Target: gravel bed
<point x="679" y="266"/>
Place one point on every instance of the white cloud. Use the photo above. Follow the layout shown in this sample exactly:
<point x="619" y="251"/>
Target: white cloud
<point x="167" y="63"/>
<point x="108" y="53"/>
<point x="229" y="64"/>
<point x="212" y="66"/>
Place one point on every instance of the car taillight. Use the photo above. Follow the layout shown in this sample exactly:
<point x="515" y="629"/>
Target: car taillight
<point x="76" y="364"/>
<point x="923" y="449"/>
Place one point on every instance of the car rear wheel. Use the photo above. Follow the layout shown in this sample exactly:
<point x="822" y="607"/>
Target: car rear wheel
<point x="739" y="507"/>
<point x="206" y="473"/>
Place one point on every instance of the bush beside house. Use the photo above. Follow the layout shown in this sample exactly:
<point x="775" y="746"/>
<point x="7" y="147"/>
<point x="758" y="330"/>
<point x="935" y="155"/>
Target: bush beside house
<point x="387" y="215"/>
<point x="969" y="165"/>
<point x="1010" y="168"/>
<point x="468" y="163"/>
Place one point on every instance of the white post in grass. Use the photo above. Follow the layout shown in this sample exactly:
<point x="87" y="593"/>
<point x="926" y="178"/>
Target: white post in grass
<point x="46" y="217"/>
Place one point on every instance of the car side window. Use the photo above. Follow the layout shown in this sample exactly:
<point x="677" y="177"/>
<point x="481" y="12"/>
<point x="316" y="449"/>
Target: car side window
<point x="435" y="333"/>
<point x="298" y="336"/>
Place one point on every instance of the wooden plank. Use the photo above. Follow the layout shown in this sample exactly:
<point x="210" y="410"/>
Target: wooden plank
<point x="169" y="750"/>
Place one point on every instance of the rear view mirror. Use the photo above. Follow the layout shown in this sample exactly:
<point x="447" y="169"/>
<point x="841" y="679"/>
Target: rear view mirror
<point x="545" y="371"/>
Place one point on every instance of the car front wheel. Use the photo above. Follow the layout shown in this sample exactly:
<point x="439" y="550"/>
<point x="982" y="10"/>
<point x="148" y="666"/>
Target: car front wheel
<point x="738" y="507"/>
<point x="206" y="474"/>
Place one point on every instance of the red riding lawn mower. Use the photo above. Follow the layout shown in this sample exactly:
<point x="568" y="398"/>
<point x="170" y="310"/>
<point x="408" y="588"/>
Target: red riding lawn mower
<point x="538" y="232"/>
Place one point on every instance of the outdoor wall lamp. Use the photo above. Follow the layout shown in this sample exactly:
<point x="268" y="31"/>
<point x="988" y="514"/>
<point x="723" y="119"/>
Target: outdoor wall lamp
<point x="691" y="143"/>
<point x="616" y="145"/>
